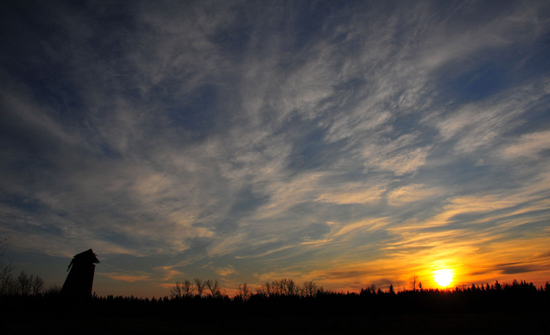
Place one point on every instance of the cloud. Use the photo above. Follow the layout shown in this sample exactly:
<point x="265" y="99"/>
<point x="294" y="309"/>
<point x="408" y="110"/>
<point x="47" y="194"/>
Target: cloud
<point x="481" y="125"/>
<point x="267" y="252"/>
<point x="170" y="273"/>
<point x="411" y="193"/>
<point x="517" y="269"/>
<point x="404" y="162"/>
<point x="528" y="145"/>
<point x="226" y="271"/>
<point x="353" y="195"/>
<point x="345" y="274"/>
<point x="127" y="277"/>
<point x="399" y="156"/>
<point x="368" y="224"/>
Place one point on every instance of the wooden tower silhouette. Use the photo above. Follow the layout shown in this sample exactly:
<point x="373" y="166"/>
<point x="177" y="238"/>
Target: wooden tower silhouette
<point x="80" y="279"/>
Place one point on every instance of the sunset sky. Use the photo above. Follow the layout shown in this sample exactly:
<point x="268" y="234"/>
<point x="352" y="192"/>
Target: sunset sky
<point x="346" y="142"/>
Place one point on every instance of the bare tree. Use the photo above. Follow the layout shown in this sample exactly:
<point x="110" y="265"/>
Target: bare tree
<point x="183" y="289"/>
<point x="270" y="289"/>
<point x="291" y="288"/>
<point x="280" y="287"/>
<point x="309" y="289"/>
<point x="413" y="281"/>
<point x="53" y="290"/>
<point x="277" y="287"/>
<point x="260" y="290"/>
<point x="188" y="288"/>
<point x="266" y="289"/>
<point x="24" y="283"/>
<point x="175" y="291"/>
<point x="199" y="283"/>
<point x="7" y="282"/>
<point x="244" y="291"/>
<point x="36" y="285"/>
<point x="214" y="288"/>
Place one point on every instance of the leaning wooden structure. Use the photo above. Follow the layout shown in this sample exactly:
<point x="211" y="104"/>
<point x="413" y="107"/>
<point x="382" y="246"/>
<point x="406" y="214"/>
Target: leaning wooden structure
<point x="80" y="280"/>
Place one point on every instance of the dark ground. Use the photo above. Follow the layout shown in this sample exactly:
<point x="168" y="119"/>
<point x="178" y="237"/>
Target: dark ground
<point x="436" y="323"/>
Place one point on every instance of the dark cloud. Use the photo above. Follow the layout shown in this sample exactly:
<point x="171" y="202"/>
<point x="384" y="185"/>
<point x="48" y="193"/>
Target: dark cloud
<point x="480" y="273"/>
<point x="345" y="274"/>
<point x="510" y="270"/>
<point x="509" y="264"/>
<point x="384" y="282"/>
<point x="543" y="255"/>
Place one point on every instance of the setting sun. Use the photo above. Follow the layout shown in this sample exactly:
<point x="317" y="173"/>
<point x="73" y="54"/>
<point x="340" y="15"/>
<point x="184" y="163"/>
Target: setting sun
<point x="443" y="277"/>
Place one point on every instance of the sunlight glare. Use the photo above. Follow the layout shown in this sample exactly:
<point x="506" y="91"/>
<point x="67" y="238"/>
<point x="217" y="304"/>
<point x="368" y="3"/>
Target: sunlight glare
<point x="443" y="277"/>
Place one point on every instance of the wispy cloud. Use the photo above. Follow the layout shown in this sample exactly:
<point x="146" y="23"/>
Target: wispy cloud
<point x="411" y="193"/>
<point x="226" y="271"/>
<point x="528" y="145"/>
<point x="127" y="278"/>
<point x="354" y="195"/>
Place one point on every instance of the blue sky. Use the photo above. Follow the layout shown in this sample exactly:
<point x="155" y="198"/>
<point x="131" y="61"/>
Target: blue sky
<point x="344" y="142"/>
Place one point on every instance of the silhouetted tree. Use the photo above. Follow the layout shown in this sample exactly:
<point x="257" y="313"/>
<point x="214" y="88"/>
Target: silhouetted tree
<point x="413" y="280"/>
<point x="188" y="288"/>
<point x="372" y="288"/>
<point x="261" y="291"/>
<point x="53" y="290"/>
<point x="24" y="284"/>
<point x="37" y="284"/>
<point x="243" y="292"/>
<point x="498" y="287"/>
<point x="309" y="289"/>
<point x="7" y="282"/>
<point x="290" y="288"/>
<point x="175" y="291"/>
<point x="199" y="284"/>
<point x="214" y="288"/>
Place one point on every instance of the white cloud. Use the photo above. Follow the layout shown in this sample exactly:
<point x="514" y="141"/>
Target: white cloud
<point x="226" y="271"/>
<point x="411" y="193"/>
<point x="354" y="194"/>
<point x="404" y="162"/>
<point x="481" y="125"/>
<point x="400" y="156"/>
<point x="131" y="278"/>
<point x="528" y="145"/>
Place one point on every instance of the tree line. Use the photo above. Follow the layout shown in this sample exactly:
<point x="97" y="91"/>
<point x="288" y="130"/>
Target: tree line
<point x="211" y="288"/>
<point x="22" y="285"/>
<point x="203" y="299"/>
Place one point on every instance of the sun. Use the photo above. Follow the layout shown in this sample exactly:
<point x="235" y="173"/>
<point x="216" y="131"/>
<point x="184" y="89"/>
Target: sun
<point x="443" y="277"/>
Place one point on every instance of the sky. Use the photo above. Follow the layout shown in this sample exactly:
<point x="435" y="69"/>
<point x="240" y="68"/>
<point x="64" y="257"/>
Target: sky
<point x="346" y="142"/>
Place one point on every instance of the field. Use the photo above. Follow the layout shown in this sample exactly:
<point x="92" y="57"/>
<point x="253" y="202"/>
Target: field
<point x="439" y="323"/>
